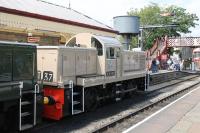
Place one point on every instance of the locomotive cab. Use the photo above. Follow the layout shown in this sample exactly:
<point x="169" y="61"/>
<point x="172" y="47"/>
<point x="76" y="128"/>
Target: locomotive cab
<point x="113" y="62"/>
<point x="109" y="52"/>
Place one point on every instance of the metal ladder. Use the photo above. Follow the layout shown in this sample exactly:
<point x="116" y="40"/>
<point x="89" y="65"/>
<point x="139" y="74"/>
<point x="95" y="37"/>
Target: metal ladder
<point x="118" y="92"/>
<point x="27" y="107"/>
<point x="77" y="99"/>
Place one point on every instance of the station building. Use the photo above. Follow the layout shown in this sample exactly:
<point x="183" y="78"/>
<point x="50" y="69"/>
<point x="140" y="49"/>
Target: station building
<point x="45" y="23"/>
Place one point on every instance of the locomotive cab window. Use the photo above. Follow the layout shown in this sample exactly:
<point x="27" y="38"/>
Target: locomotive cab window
<point x="23" y="64"/>
<point x="95" y="43"/>
<point x="72" y="42"/>
<point x="110" y="53"/>
<point x="118" y="52"/>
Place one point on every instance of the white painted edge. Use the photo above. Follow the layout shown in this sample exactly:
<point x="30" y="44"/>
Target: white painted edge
<point x="157" y="112"/>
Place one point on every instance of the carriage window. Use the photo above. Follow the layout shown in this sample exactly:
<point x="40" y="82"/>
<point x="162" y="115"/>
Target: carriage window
<point x="95" y="43"/>
<point x="110" y="53"/>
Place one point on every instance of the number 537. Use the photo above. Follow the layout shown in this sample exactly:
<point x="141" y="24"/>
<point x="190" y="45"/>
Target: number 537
<point x="48" y="76"/>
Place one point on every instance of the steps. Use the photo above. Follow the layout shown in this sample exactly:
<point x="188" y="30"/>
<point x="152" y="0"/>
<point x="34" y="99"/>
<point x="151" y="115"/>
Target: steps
<point x="27" y="108"/>
<point x="118" y="92"/>
<point x="77" y="99"/>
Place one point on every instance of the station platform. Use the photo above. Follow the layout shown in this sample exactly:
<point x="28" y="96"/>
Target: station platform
<point x="180" y="116"/>
<point x="168" y="71"/>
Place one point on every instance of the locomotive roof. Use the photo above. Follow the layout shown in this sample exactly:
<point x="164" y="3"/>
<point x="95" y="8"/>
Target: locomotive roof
<point x="85" y="40"/>
<point x="17" y="43"/>
<point x="196" y="50"/>
<point x="51" y="12"/>
<point x="108" y="40"/>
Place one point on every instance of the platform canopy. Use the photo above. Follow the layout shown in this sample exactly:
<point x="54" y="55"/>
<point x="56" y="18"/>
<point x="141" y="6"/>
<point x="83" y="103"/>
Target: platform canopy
<point x="45" y="10"/>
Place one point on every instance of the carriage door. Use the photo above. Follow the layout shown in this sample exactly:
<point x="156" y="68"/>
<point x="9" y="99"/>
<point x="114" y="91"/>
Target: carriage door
<point x="118" y="62"/>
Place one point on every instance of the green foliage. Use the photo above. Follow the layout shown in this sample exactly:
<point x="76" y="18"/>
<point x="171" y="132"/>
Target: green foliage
<point x="134" y="42"/>
<point x="170" y="51"/>
<point x="151" y="15"/>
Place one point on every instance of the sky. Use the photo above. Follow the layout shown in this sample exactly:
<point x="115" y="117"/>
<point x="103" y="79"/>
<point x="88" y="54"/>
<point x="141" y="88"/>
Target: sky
<point x="105" y="10"/>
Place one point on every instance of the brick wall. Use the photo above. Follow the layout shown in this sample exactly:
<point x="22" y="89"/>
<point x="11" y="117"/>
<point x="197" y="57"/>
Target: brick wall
<point x="20" y="37"/>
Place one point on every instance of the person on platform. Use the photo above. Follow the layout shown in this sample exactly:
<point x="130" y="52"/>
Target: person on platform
<point x="169" y="63"/>
<point x="158" y="64"/>
<point x="181" y="65"/>
<point x="154" y="66"/>
<point x="176" y="64"/>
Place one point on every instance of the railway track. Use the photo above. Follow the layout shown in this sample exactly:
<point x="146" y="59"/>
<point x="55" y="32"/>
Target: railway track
<point x="149" y="106"/>
<point x="100" y="125"/>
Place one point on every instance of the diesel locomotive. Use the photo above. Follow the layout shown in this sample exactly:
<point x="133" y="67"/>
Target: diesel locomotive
<point x="90" y="68"/>
<point x="75" y="78"/>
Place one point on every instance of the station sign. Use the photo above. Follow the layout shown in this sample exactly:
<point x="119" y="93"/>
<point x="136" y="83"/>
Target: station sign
<point x="32" y="39"/>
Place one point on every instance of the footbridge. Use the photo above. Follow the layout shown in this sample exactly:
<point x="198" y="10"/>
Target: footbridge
<point x="183" y="42"/>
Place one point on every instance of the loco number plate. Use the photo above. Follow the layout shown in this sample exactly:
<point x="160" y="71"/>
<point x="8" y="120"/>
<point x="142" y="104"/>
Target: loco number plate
<point x="48" y="76"/>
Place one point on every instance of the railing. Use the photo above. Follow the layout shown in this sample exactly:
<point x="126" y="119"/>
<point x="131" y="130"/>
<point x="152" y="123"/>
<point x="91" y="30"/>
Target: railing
<point x="159" y="47"/>
<point x="153" y="49"/>
<point x="12" y="84"/>
<point x="164" y="45"/>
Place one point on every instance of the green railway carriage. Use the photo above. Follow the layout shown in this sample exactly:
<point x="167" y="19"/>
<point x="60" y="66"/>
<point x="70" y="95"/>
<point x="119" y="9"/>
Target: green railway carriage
<point x="19" y="91"/>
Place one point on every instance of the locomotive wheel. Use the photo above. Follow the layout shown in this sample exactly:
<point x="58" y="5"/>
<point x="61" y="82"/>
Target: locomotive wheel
<point x="90" y="99"/>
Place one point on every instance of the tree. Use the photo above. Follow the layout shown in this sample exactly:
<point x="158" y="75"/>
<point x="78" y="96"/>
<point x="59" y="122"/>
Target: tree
<point x="156" y="15"/>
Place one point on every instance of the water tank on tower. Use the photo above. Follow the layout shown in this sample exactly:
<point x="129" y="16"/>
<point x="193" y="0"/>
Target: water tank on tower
<point x="127" y="26"/>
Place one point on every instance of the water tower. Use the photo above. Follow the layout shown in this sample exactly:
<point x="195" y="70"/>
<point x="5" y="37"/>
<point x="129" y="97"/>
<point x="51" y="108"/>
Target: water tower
<point x="127" y="26"/>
